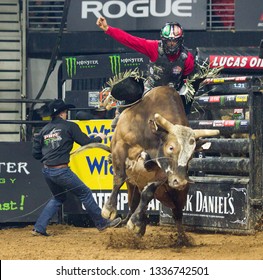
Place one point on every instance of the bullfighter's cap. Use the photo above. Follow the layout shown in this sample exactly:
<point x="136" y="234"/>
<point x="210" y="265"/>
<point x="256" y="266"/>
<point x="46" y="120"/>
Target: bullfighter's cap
<point x="58" y="105"/>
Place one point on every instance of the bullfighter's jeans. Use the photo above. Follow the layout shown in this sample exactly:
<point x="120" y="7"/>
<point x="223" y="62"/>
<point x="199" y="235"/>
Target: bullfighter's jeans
<point x="61" y="181"/>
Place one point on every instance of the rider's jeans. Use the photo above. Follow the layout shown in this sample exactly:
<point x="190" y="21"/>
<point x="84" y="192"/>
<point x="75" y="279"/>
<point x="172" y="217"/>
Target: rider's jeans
<point x="61" y="181"/>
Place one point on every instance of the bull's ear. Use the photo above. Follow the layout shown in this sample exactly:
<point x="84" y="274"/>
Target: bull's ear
<point x="164" y="123"/>
<point x="156" y="129"/>
<point x="153" y="126"/>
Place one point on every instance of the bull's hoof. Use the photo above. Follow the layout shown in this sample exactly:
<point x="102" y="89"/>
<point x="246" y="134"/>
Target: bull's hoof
<point x="137" y="229"/>
<point x="108" y="212"/>
<point x="184" y="240"/>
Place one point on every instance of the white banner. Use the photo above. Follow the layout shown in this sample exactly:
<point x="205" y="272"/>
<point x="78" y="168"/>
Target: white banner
<point x="137" y="269"/>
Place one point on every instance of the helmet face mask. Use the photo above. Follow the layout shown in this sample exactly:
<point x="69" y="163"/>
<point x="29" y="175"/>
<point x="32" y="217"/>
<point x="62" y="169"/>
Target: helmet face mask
<point x="172" y="37"/>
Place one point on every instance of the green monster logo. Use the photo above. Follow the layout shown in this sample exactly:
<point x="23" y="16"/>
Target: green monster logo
<point x="71" y="64"/>
<point x="115" y="62"/>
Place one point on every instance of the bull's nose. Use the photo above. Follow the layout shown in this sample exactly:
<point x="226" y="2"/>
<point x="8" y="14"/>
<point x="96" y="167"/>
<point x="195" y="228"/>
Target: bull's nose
<point x="176" y="183"/>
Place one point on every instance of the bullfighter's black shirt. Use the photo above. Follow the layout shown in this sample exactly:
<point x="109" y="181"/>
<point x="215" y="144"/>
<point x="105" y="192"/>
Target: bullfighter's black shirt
<point x="55" y="140"/>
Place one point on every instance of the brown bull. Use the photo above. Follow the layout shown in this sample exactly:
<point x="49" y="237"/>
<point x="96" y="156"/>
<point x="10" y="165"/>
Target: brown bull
<point x="150" y="148"/>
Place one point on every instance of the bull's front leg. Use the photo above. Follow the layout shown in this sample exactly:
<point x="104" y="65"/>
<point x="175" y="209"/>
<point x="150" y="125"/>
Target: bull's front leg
<point x="137" y="222"/>
<point x="109" y="210"/>
<point x="180" y="200"/>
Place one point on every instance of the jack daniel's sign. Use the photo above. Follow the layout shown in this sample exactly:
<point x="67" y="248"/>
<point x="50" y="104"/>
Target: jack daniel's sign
<point x="213" y="205"/>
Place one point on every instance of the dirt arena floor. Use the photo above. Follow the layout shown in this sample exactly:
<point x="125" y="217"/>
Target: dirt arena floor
<point x="78" y="243"/>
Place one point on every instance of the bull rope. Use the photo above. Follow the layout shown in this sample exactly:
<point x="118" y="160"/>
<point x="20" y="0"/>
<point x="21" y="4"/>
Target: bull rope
<point x="92" y="145"/>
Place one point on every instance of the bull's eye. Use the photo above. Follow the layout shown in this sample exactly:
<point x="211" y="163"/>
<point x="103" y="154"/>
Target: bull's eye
<point x="191" y="141"/>
<point x="170" y="149"/>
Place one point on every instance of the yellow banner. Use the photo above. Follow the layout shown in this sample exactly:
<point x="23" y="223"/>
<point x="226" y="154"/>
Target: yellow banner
<point x="92" y="166"/>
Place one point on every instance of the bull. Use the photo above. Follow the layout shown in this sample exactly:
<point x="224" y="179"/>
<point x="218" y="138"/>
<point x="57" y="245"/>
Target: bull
<point x="151" y="147"/>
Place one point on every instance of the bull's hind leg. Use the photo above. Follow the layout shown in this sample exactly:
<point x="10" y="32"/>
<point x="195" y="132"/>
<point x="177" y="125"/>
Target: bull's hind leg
<point x="138" y="220"/>
<point x="109" y="210"/>
<point x="133" y="200"/>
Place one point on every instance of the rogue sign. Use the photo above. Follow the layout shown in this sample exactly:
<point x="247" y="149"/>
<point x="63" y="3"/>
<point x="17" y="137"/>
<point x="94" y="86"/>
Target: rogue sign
<point x="137" y="14"/>
<point x="142" y="8"/>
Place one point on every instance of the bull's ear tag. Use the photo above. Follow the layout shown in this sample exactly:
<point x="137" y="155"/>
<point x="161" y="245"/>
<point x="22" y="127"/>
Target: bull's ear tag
<point x="206" y="146"/>
<point x="153" y="125"/>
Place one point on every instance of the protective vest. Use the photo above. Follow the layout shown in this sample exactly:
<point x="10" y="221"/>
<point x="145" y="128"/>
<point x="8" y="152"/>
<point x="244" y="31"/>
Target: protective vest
<point x="164" y="72"/>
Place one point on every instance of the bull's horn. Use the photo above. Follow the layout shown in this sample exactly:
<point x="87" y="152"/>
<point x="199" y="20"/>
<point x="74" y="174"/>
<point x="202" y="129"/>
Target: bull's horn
<point x="205" y="132"/>
<point x="168" y="126"/>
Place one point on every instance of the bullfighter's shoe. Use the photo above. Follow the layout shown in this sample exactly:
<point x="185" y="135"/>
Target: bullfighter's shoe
<point x="110" y="224"/>
<point x="37" y="233"/>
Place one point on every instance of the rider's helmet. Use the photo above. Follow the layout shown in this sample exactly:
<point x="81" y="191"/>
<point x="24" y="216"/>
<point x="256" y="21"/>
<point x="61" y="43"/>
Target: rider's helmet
<point x="172" y="31"/>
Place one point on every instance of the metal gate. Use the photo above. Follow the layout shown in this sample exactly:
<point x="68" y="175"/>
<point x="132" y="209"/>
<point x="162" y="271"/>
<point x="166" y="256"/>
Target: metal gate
<point x="228" y="184"/>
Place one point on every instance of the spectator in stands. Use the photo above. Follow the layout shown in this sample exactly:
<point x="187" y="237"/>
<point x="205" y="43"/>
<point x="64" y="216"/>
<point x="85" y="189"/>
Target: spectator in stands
<point x="52" y="147"/>
<point x="224" y="11"/>
<point x="38" y="14"/>
<point x="45" y="14"/>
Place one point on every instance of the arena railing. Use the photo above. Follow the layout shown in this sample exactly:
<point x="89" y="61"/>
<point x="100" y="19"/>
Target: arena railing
<point x="27" y="126"/>
<point x="220" y="15"/>
<point x="44" y="15"/>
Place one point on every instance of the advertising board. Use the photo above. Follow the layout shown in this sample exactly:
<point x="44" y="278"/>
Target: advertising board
<point x="137" y="15"/>
<point x="23" y="190"/>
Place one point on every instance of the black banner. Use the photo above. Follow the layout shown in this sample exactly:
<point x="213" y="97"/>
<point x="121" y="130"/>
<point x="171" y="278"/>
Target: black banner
<point x="97" y="66"/>
<point x="72" y="205"/>
<point x="137" y="15"/>
<point x="214" y="205"/>
<point x="23" y="190"/>
<point x="249" y="15"/>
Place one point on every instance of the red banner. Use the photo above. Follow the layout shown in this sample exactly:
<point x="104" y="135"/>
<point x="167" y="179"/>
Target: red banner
<point x="236" y="62"/>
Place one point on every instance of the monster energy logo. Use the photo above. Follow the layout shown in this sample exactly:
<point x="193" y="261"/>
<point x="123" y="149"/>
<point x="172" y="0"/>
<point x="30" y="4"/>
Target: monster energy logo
<point x="115" y="62"/>
<point x="71" y="64"/>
